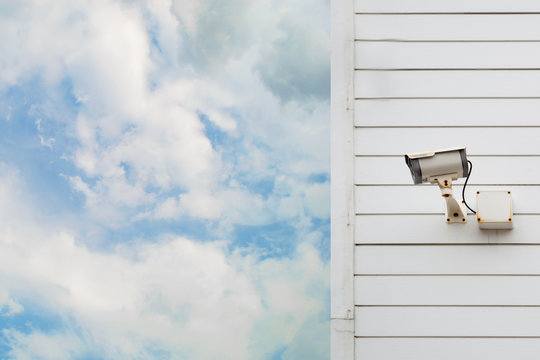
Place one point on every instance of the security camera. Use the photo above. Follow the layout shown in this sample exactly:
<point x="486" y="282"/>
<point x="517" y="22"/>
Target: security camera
<point x="429" y="165"/>
<point x="441" y="167"/>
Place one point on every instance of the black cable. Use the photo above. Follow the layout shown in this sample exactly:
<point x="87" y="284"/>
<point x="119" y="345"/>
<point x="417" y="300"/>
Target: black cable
<point x="465" y="185"/>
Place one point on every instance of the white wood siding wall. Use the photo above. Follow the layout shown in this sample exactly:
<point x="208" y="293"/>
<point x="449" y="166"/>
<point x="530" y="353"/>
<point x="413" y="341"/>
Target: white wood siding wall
<point x="431" y="74"/>
<point x="343" y="187"/>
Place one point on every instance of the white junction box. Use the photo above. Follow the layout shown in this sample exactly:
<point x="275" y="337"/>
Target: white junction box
<point x="494" y="209"/>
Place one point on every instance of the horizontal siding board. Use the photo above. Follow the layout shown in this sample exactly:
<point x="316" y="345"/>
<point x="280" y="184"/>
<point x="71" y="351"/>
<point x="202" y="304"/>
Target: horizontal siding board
<point x="453" y="259"/>
<point x="440" y="83"/>
<point x="446" y="349"/>
<point x="432" y="229"/>
<point x="422" y="55"/>
<point x="479" y="141"/>
<point x="447" y="112"/>
<point x="449" y="321"/>
<point x="447" y="290"/>
<point x="427" y="199"/>
<point x="486" y="170"/>
<point x="447" y="27"/>
<point x="446" y="6"/>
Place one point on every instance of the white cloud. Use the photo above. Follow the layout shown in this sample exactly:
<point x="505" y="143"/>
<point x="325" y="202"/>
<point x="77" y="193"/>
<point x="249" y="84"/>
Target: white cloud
<point x="295" y="63"/>
<point x="215" y="32"/>
<point x="294" y="291"/>
<point x="175" y="295"/>
<point x="41" y="346"/>
<point x="109" y="63"/>
<point x="142" y="73"/>
<point x="317" y="198"/>
<point x="8" y="306"/>
<point x="138" y="124"/>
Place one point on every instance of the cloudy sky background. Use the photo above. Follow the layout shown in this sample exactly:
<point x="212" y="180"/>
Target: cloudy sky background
<point x="164" y="186"/>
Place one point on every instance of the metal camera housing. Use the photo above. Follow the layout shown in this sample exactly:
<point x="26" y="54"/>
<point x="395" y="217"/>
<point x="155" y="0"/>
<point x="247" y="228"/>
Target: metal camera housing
<point x="426" y="166"/>
<point x="441" y="167"/>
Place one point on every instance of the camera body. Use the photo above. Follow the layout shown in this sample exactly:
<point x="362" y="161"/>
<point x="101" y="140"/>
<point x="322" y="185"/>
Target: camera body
<point x="427" y="167"/>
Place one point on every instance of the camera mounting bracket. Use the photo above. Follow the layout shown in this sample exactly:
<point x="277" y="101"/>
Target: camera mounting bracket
<point x="455" y="211"/>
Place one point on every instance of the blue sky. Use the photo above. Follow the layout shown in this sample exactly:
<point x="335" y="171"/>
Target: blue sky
<point x="164" y="186"/>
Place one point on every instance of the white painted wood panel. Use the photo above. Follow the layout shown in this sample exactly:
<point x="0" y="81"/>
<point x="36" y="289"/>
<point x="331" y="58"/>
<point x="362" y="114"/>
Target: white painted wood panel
<point x="486" y="170"/>
<point x="459" y="83"/>
<point x="447" y="112"/>
<point x="427" y="199"/>
<point x="447" y="349"/>
<point x="447" y="290"/>
<point x="342" y="189"/>
<point x="433" y="55"/>
<point x="447" y="259"/>
<point x="411" y="6"/>
<point x="342" y="339"/>
<point x="447" y="27"/>
<point x="449" y="321"/>
<point x="479" y="141"/>
<point x="432" y="229"/>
